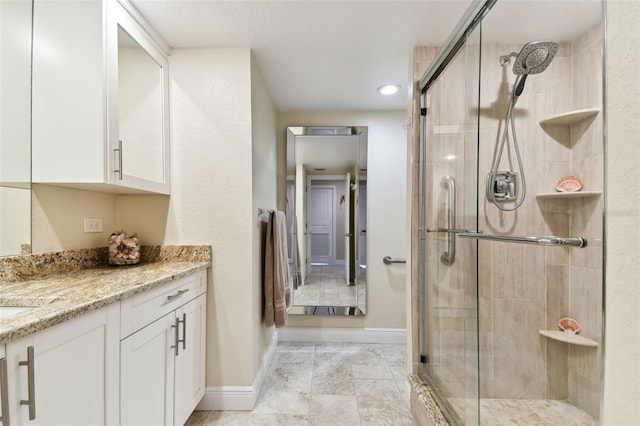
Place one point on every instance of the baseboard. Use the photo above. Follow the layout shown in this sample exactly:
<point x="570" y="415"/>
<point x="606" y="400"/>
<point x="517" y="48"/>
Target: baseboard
<point x="238" y="398"/>
<point x="348" y="335"/>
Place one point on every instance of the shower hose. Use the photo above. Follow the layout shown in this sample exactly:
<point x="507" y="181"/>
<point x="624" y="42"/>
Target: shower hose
<point x="510" y="121"/>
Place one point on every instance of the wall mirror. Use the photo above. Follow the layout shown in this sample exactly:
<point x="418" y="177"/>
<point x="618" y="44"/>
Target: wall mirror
<point x="327" y="219"/>
<point x="140" y="110"/>
<point x="15" y="127"/>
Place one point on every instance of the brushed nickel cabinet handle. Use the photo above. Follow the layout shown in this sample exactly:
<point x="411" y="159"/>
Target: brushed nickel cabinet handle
<point x="184" y="331"/>
<point x="31" y="383"/>
<point x="119" y="151"/>
<point x="177" y="338"/>
<point x="178" y="294"/>
<point x="4" y="393"/>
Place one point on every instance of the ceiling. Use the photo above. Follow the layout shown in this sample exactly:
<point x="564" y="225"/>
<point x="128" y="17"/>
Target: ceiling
<point x="333" y="55"/>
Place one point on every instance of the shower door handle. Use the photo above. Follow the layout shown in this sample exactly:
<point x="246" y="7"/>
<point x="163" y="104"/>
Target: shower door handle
<point x="449" y="255"/>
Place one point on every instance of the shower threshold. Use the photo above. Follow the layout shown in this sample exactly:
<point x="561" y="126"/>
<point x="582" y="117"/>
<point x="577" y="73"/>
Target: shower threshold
<point x="527" y="412"/>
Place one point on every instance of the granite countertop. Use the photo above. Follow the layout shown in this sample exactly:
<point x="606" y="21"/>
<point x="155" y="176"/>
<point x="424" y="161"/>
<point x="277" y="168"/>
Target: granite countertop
<point x="58" y="287"/>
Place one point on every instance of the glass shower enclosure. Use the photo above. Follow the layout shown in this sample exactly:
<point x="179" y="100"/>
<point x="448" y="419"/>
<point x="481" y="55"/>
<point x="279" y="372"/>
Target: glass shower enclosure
<point x="510" y="219"/>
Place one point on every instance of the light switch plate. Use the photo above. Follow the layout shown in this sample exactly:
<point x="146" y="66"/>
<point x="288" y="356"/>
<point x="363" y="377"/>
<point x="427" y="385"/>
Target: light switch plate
<point x="92" y="224"/>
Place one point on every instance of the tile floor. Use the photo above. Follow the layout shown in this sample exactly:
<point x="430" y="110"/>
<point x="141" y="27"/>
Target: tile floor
<point x="327" y="384"/>
<point x="325" y="286"/>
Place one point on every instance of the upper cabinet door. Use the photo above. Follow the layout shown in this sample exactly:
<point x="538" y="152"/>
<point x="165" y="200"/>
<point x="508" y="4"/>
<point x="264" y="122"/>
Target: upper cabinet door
<point x="100" y="98"/>
<point x="138" y="107"/>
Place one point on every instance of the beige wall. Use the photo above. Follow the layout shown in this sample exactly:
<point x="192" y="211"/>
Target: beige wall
<point x="264" y="181"/>
<point x="622" y="303"/>
<point x="211" y="199"/>
<point x="57" y="216"/>
<point x="386" y="194"/>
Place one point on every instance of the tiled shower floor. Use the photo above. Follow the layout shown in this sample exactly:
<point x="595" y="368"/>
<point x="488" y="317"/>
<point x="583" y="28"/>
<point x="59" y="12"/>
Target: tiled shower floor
<point x="503" y="412"/>
<point x="327" y="384"/>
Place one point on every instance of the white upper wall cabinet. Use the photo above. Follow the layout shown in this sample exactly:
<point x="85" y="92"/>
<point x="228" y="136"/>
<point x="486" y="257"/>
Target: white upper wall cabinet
<point x="100" y="99"/>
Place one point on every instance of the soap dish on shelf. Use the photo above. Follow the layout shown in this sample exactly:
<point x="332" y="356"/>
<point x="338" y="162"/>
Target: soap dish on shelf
<point x="569" y="184"/>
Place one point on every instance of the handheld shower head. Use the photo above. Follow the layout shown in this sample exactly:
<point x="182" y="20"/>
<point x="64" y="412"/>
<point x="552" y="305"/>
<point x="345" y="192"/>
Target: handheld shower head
<point x="535" y="57"/>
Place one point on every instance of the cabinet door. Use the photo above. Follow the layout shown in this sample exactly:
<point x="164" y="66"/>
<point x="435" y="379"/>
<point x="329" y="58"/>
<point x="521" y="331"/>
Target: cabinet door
<point x="146" y="374"/>
<point x="138" y="107"/>
<point x="190" y="360"/>
<point x="71" y="365"/>
<point x="100" y="108"/>
<point x="68" y="123"/>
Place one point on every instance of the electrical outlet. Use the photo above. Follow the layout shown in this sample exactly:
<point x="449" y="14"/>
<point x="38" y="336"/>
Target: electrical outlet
<point x="92" y="224"/>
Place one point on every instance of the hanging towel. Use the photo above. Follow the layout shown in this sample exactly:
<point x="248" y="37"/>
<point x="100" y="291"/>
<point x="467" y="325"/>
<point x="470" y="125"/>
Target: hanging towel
<point x="277" y="286"/>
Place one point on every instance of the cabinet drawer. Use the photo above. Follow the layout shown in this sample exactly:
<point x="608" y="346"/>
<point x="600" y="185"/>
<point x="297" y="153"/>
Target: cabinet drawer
<point x="144" y="308"/>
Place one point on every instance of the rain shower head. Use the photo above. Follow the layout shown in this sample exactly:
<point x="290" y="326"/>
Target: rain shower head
<point x="535" y="57"/>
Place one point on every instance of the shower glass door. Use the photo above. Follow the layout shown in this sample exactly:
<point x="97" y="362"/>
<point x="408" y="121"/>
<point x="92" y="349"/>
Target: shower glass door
<point x="500" y="278"/>
<point x="449" y="204"/>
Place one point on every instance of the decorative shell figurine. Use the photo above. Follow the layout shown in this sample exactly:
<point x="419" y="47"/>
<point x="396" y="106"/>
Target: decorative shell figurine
<point x="569" y="184"/>
<point x="569" y="325"/>
<point x="124" y="249"/>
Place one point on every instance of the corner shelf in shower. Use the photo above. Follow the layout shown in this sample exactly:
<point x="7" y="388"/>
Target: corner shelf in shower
<point x="572" y="339"/>
<point x="571" y="117"/>
<point x="577" y="194"/>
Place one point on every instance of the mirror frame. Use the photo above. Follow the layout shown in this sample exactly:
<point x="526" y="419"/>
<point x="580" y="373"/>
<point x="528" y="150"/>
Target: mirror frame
<point x="296" y="173"/>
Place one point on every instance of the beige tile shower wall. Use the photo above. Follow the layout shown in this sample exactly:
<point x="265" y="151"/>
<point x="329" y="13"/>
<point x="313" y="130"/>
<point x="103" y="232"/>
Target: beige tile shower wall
<point x="526" y="288"/>
<point x="512" y="279"/>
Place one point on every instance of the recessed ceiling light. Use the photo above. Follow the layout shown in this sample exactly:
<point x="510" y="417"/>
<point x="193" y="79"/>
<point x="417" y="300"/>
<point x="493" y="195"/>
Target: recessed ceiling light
<point x="389" y="89"/>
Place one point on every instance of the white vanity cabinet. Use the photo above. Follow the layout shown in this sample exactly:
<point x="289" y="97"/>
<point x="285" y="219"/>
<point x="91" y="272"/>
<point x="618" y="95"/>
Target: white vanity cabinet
<point x="63" y="375"/>
<point x="162" y="353"/>
<point x="100" y="98"/>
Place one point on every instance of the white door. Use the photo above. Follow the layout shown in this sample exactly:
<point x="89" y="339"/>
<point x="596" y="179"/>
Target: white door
<point x="348" y="232"/>
<point x="321" y="213"/>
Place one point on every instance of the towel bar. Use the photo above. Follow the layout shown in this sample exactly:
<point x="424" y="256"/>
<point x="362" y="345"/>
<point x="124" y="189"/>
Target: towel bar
<point x="542" y="241"/>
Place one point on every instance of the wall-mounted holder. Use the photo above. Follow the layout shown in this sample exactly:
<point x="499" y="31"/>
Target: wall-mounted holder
<point x="502" y="186"/>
